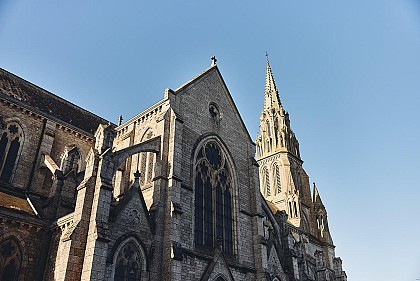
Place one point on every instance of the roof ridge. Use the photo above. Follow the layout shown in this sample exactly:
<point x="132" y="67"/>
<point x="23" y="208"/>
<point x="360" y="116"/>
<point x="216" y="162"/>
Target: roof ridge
<point x="195" y="77"/>
<point x="51" y="94"/>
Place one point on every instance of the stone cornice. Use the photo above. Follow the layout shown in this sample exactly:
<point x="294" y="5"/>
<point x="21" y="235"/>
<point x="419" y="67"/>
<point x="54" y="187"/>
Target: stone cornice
<point x="37" y="114"/>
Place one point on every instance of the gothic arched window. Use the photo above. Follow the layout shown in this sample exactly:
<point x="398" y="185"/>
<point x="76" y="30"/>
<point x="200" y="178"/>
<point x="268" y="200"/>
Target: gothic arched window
<point x="267" y="182"/>
<point x="295" y="208"/>
<point x="142" y="169"/>
<point x="278" y="178"/>
<point x="129" y="263"/>
<point x="10" y="260"/>
<point x="146" y="162"/>
<point x="213" y="198"/>
<point x="71" y="160"/>
<point x="11" y="138"/>
<point x="268" y="128"/>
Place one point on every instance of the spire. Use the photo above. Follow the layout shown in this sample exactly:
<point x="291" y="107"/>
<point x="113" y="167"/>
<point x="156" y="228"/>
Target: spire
<point x="271" y="92"/>
<point x="275" y="132"/>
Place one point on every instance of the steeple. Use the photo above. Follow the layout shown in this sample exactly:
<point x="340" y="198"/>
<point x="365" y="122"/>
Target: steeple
<point x="275" y="132"/>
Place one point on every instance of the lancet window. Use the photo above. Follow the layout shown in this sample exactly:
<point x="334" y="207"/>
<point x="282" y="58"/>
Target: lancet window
<point x="10" y="260"/>
<point x="267" y="182"/>
<point x="290" y="209"/>
<point x="71" y="160"/>
<point x="213" y="198"/>
<point x="295" y="208"/>
<point x="11" y="139"/>
<point x="278" y="178"/>
<point x="146" y="161"/>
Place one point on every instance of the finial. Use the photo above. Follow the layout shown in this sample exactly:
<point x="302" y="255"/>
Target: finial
<point x="137" y="174"/>
<point x="266" y="54"/>
<point x="213" y="60"/>
<point x="120" y="119"/>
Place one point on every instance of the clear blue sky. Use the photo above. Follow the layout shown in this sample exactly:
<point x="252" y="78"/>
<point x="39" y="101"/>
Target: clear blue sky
<point x="347" y="71"/>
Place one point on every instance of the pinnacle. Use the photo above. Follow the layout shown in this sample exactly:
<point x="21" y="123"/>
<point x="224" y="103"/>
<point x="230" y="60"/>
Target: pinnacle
<point x="317" y="196"/>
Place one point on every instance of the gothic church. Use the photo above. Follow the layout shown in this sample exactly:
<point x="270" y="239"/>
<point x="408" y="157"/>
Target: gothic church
<point x="178" y="192"/>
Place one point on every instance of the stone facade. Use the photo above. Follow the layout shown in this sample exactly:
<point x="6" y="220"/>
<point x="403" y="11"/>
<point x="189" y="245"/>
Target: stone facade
<point x="174" y="193"/>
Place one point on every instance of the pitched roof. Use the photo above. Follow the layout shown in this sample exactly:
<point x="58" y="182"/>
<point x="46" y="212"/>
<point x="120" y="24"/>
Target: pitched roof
<point x="22" y="92"/>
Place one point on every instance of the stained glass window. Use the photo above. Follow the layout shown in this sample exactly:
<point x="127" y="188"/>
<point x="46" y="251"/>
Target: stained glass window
<point x="128" y="264"/>
<point x="213" y="199"/>
<point x="10" y="144"/>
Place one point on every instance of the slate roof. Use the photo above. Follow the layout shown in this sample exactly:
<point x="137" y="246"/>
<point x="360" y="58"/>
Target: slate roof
<point x="23" y="92"/>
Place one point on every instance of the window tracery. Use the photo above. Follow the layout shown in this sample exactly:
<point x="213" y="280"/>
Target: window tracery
<point x="213" y="199"/>
<point x="214" y="111"/>
<point x="128" y="264"/>
<point x="11" y="138"/>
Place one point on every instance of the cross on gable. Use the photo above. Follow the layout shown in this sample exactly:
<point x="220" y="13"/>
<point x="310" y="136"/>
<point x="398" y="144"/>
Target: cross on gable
<point x="213" y="60"/>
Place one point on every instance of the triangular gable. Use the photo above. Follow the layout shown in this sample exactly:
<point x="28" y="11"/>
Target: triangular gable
<point x="203" y="74"/>
<point x="139" y="213"/>
<point x="217" y="268"/>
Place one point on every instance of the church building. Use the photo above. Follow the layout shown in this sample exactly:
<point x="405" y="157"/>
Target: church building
<point x="178" y="192"/>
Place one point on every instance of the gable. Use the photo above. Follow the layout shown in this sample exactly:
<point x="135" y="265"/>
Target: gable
<point x="131" y="212"/>
<point x="217" y="268"/>
<point x="199" y="94"/>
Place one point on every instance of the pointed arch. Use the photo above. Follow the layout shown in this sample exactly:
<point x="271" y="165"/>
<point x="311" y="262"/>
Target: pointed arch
<point x="129" y="262"/>
<point x="268" y="128"/>
<point x="71" y="159"/>
<point x="147" y="160"/>
<point x="266" y="188"/>
<point x="214" y="194"/>
<point x="11" y="142"/>
<point x="277" y="178"/>
<point x="305" y="223"/>
<point x="10" y="259"/>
